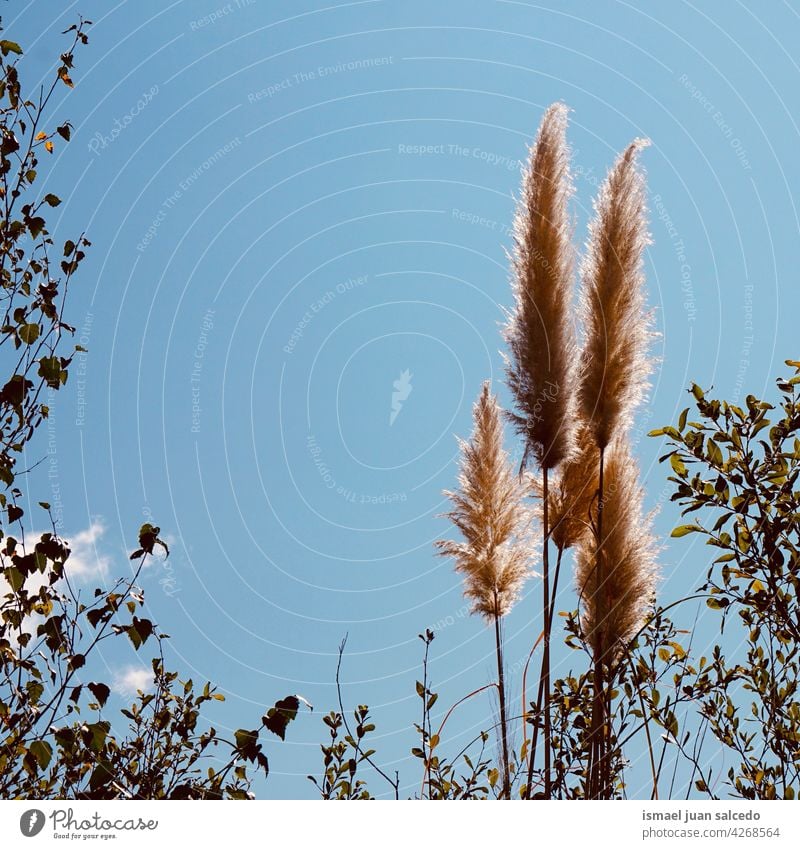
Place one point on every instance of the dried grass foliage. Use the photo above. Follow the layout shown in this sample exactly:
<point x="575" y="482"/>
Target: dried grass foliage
<point x="614" y="608"/>
<point x="617" y="329"/>
<point x="541" y="366"/>
<point x="489" y="510"/>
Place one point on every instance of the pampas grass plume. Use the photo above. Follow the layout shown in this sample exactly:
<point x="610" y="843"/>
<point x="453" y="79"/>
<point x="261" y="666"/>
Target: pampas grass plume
<point x="617" y="328"/>
<point x="495" y="553"/>
<point x="571" y="495"/>
<point x="615" y="607"/>
<point x="539" y="332"/>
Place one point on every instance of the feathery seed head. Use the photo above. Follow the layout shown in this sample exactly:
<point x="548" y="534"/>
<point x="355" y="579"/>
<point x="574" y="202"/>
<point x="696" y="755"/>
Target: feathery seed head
<point x="572" y="493"/>
<point x="615" y="365"/>
<point x="615" y="608"/>
<point x="541" y="365"/>
<point x="489" y="511"/>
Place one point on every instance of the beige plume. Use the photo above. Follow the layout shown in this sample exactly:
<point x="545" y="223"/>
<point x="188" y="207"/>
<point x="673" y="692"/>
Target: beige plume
<point x="489" y="510"/>
<point x="573" y="492"/>
<point x="614" y="607"/>
<point x="541" y="365"/>
<point x="618" y="330"/>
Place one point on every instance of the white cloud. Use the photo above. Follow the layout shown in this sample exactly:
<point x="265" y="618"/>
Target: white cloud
<point x="128" y="680"/>
<point x="85" y="562"/>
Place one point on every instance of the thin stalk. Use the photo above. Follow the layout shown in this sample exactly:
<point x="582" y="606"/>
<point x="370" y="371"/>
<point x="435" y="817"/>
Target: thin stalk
<point x="501" y="690"/>
<point x="396" y="783"/>
<point x="646" y="716"/>
<point x="534" y="741"/>
<point x="426" y="715"/>
<point x="444" y="722"/>
<point x="555" y="585"/>
<point x="547" y="627"/>
<point x="598" y="731"/>
<point x="525" y="688"/>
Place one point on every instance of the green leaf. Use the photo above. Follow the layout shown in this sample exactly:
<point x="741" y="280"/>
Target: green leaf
<point x="683" y="530"/>
<point x="714" y="453"/>
<point x="143" y="627"/>
<point x="102" y="774"/>
<point x="10" y="47"/>
<point x="673" y="726"/>
<point x="134" y="636"/>
<point x="100" y="691"/>
<point x="35" y="691"/>
<point x="15" y="578"/>
<point x="743" y="537"/>
<point x="247" y="742"/>
<point x="277" y="718"/>
<point x="43" y="752"/>
<point x="36" y="225"/>
<point x="29" y="333"/>
<point x="94" y="616"/>
<point x="678" y="465"/>
<point x="148" y="539"/>
<point x="50" y="370"/>
<point x="95" y="734"/>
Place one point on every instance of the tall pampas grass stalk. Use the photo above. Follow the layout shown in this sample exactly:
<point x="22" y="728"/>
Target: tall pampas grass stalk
<point x="614" y="610"/>
<point x="541" y="365"/>
<point x="569" y="501"/>
<point x="615" y="365"/>
<point x="615" y="573"/>
<point x="495" y="553"/>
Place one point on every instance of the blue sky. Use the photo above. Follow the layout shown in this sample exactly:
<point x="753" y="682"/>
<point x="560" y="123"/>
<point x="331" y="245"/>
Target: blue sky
<point x="293" y="203"/>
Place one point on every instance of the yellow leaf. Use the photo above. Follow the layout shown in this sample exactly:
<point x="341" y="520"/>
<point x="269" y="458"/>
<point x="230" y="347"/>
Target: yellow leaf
<point x="40" y="136"/>
<point x="48" y="146"/>
<point x="64" y="77"/>
<point x="679" y="650"/>
<point x="714" y="453"/>
<point x="678" y="465"/>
